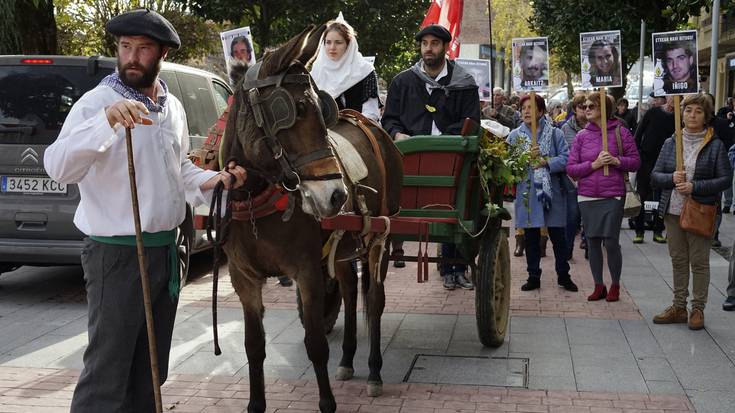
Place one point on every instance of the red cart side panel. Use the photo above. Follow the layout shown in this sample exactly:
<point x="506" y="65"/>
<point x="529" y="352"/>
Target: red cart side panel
<point x="430" y="164"/>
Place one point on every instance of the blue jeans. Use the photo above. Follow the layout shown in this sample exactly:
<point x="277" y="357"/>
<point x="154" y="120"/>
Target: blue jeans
<point x="533" y="252"/>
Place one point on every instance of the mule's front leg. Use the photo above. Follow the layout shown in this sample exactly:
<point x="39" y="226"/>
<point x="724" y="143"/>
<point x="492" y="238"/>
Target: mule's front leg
<point x="312" y="290"/>
<point x="249" y="290"/>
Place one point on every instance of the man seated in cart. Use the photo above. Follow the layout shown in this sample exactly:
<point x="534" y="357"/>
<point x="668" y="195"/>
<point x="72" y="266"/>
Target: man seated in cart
<point x="433" y="97"/>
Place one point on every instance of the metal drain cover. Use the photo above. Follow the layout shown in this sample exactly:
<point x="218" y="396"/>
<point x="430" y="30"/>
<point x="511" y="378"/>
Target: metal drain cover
<point x="473" y="370"/>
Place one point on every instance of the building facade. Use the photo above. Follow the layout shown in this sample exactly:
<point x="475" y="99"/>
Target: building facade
<point x="725" y="77"/>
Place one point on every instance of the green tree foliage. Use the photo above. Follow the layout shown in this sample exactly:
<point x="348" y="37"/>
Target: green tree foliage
<point x="510" y="19"/>
<point x="9" y="40"/>
<point x="563" y="20"/>
<point x="385" y="27"/>
<point x="82" y="27"/>
<point x="27" y="27"/>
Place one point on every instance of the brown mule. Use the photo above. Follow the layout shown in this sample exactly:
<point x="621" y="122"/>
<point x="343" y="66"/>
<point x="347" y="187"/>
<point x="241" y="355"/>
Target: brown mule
<point x="277" y="131"/>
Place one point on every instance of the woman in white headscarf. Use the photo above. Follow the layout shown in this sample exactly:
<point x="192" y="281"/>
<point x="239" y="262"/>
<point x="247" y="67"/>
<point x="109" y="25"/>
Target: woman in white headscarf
<point x="341" y="70"/>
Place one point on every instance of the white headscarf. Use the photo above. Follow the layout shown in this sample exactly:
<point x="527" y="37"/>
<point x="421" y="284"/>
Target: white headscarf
<point x="336" y="77"/>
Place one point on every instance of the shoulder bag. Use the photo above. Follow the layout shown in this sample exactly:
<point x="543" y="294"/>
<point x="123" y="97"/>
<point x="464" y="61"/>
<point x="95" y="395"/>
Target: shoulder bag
<point x="632" y="201"/>
<point x="698" y="218"/>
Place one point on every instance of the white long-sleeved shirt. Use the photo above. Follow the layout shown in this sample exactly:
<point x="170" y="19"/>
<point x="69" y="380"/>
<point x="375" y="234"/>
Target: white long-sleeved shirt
<point x="165" y="178"/>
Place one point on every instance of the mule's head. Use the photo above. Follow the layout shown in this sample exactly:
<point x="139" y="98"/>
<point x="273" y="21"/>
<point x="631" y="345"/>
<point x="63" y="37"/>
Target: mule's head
<point x="280" y="119"/>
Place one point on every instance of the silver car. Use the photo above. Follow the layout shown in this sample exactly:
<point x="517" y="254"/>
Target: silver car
<point x="36" y="94"/>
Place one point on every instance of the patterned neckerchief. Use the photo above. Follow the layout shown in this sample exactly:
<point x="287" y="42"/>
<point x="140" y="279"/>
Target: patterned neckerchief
<point x="118" y="86"/>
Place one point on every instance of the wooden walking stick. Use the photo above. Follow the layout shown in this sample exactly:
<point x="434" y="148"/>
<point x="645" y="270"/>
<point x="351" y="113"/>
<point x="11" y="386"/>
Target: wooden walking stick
<point x="677" y="135"/>
<point x="603" y="125"/>
<point x="152" y="351"/>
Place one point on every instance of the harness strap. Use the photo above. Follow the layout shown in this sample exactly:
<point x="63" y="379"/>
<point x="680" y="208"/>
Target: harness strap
<point x="276" y="79"/>
<point x="362" y="122"/>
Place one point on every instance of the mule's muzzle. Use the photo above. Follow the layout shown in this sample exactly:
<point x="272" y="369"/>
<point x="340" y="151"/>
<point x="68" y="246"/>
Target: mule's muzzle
<point x="339" y="197"/>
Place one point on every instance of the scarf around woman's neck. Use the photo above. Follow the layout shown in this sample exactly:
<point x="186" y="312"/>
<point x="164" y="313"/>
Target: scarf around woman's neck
<point x="541" y="176"/>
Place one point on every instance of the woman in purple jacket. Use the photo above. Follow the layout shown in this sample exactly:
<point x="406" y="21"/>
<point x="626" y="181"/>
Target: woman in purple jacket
<point x="601" y="198"/>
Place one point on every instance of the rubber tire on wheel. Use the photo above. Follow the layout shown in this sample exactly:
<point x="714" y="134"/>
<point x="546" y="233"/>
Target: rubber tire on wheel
<point x="492" y="287"/>
<point x="332" y="305"/>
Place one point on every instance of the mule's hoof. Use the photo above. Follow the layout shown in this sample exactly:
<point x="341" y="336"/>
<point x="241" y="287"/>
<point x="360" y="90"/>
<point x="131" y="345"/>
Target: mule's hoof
<point x="344" y="373"/>
<point x="374" y="389"/>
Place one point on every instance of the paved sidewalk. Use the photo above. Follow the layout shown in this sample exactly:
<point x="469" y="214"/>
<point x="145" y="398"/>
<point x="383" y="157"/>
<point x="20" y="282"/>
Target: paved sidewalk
<point x="49" y="390"/>
<point x="600" y="357"/>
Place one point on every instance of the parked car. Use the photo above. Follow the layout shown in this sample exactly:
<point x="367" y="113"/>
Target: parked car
<point x="36" y="94"/>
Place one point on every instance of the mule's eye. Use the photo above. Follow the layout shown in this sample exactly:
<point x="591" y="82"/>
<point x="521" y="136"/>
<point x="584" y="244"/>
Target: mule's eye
<point x="300" y="107"/>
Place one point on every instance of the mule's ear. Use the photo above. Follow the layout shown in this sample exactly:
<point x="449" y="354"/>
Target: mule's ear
<point x="312" y="44"/>
<point x="282" y="57"/>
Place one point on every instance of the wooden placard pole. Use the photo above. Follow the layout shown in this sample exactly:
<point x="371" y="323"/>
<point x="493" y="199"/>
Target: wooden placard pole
<point x="603" y="125"/>
<point x="534" y="118"/>
<point x="677" y="135"/>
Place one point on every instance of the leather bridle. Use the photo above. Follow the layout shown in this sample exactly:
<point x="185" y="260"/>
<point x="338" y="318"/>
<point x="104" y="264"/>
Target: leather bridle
<point x="275" y="110"/>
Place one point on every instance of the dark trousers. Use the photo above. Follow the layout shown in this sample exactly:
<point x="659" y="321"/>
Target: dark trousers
<point x="450" y="251"/>
<point x="117" y="375"/>
<point x="643" y="187"/>
<point x="574" y="220"/>
<point x="533" y="251"/>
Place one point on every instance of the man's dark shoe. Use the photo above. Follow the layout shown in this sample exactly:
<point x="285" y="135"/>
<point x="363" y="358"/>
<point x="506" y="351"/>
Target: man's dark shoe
<point x="726" y="210"/>
<point x="716" y="243"/>
<point x="462" y="282"/>
<point x="531" y="284"/>
<point x="729" y="304"/>
<point x="399" y="263"/>
<point x="449" y="283"/>
<point x="284" y="281"/>
<point x="568" y="284"/>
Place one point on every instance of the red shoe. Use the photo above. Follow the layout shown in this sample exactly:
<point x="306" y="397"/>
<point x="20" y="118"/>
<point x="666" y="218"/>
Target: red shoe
<point x="614" y="294"/>
<point x="599" y="293"/>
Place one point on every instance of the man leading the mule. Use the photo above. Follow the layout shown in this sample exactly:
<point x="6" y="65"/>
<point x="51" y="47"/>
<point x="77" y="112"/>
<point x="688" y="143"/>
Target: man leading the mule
<point x="116" y="375"/>
<point x="433" y="98"/>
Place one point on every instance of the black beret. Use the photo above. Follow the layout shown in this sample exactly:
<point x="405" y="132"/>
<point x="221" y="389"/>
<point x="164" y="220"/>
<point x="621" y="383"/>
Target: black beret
<point x="144" y="22"/>
<point x="436" y="30"/>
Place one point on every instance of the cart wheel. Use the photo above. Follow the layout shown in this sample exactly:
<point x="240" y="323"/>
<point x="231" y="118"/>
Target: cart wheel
<point x="184" y="239"/>
<point x="332" y="304"/>
<point x="492" y="288"/>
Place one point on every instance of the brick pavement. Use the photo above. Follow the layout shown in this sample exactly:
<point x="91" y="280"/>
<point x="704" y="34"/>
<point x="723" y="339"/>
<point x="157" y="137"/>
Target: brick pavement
<point x="405" y="295"/>
<point x="50" y="390"/>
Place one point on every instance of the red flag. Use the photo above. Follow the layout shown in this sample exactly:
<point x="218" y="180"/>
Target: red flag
<point x="447" y="13"/>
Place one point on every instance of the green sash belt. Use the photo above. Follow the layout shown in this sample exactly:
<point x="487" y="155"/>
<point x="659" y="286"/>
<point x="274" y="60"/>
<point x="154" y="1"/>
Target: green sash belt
<point x="155" y="239"/>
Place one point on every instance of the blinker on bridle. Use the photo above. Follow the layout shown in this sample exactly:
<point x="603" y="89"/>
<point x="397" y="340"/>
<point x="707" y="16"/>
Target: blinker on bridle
<point x="276" y="111"/>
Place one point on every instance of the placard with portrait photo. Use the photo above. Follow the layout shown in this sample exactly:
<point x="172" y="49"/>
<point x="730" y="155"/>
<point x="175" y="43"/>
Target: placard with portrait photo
<point x="601" y="59"/>
<point x="480" y="71"/>
<point x="531" y="63"/>
<point x="675" y="63"/>
<point x="238" y="44"/>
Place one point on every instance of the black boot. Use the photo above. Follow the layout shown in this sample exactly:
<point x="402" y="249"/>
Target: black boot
<point x="567" y="283"/>
<point x="520" y="243"/>
<point x="533" y="283"/>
